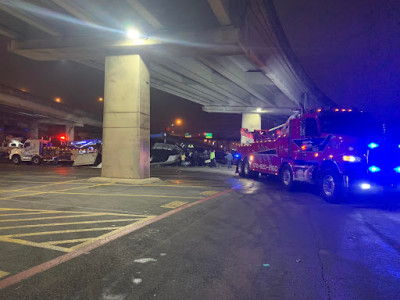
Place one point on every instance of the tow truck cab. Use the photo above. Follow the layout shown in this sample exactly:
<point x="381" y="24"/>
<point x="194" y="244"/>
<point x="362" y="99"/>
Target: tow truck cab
<point x="337" y="149"/>
<point x="38" y="151"/>
<point x="31" y="151"/>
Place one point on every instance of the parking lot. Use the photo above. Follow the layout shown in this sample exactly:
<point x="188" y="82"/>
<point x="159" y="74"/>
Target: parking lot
<point x="201" y="234"/>
<point x="56" y="208"/>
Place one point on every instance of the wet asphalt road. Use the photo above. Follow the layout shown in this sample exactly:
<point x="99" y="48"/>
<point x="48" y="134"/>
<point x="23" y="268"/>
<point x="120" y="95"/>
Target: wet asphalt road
<point x="240" y="239"/>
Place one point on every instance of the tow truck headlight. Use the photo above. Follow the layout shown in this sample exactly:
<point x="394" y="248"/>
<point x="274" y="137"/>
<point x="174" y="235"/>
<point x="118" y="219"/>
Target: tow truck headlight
<point x="351" y="158"/>
<point x="373" y="145"/>
<point x="374" y="169"/>
<point x="365" y="186"/>
<point x="397" y="169"/>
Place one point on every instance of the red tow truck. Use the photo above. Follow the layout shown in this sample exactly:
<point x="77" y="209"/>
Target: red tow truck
<point x="340" y="150"/>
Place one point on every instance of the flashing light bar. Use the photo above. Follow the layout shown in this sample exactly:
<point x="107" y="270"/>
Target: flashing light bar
<point x="373" y="145"/>
<point x="374" y="169"/>
<point x="351" y="158"/>
<point x="397" y="169"/>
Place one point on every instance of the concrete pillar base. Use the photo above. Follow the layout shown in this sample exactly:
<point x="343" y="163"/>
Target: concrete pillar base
<point x="125" y="180"/>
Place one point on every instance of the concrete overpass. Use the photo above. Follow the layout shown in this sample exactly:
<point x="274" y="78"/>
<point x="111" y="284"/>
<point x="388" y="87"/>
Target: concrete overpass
<point x="17" y="105"/>
<point x="230" y="56"/>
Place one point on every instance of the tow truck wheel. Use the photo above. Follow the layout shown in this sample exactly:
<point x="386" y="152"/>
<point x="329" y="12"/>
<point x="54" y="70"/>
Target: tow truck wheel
<point x="240" y="168"/>
<point x="331" y="187"/>
<point x="246" y="169"/>
<point x="36" y="160"/>
<point x="287" y="177"/>
<point x="16" y="159"/>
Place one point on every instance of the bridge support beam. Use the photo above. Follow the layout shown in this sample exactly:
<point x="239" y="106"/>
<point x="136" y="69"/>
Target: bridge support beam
<point x="126" y="125"/>
<point x="251" y="122"/>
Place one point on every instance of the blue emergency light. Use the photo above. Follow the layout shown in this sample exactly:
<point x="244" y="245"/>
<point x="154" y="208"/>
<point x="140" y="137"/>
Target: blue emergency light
<point x="374" y="169"/>
<point x="373" y="145"/>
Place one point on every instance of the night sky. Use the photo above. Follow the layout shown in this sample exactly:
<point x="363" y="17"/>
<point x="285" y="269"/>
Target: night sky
<point x="350" y="49"/>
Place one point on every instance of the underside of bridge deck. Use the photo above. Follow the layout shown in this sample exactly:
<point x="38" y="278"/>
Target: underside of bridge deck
<point x="229" y="56"/>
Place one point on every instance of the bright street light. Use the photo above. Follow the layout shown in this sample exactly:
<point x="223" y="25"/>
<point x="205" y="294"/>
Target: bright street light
<point x="100" y="99"/>
<point x="178" y="122"/>
<point x="58" y="100"/>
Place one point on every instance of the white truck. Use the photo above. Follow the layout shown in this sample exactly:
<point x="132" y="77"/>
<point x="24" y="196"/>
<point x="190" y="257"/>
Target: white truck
<point x="38" y="151"/>
<point x="8" y="144"/>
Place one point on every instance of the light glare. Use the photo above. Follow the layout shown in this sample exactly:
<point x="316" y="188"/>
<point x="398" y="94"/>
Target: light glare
<point x="365" y="186"/>
<point x="373" y="145"/>
<point x="133" y="34"/>
<point x="374" y="169"/>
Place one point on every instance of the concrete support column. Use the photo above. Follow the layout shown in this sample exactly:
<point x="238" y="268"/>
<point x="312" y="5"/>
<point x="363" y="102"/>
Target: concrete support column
<point x="251" y="122"/>
<point x="126" y="122"/>
<point x="34" y="130"/>
<point x="70" y="132"/>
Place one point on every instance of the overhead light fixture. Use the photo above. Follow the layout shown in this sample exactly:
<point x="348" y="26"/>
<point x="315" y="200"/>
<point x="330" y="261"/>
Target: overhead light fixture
<point x="133" y="34"/>
<point x="259" y="109"/>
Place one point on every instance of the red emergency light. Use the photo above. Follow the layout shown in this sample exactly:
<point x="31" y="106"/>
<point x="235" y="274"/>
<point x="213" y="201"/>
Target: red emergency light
<point x="63" y="137"/>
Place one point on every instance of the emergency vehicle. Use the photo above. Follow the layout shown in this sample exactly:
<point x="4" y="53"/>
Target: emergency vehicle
<point x="339" y="149"/>
<point x="38" y="151"/>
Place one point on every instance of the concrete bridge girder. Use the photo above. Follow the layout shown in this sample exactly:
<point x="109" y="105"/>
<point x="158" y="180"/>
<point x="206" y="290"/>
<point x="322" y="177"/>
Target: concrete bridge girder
<point x="41" y="110"/>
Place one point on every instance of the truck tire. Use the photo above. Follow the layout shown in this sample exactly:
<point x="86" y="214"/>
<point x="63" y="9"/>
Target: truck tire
<point x="240" y="168"/>
<point x="246" y="169"/>
<point x="16" y="159"/>
<point x="331" y="186"/>
<point x="36" y="160"/>
<point x="287" y="178"/>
